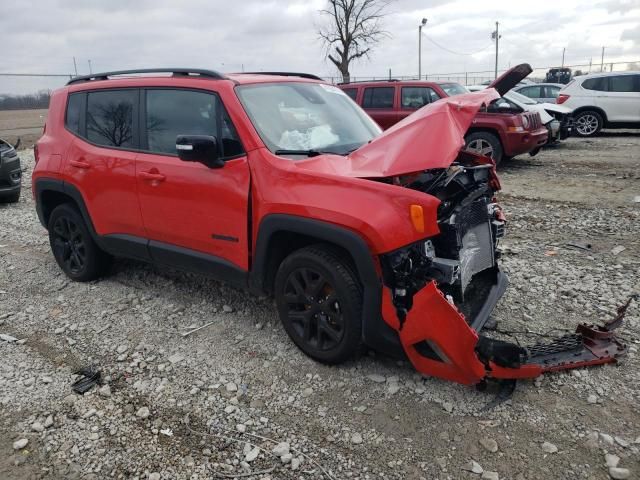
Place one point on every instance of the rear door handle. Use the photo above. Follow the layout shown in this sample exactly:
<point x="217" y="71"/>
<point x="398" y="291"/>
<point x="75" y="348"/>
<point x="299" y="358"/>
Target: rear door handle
<point x="80" y="164"/>
<point x="157" y="177"/>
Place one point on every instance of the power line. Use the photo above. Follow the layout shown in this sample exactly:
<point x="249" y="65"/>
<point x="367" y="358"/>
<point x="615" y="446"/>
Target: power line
<point x="453" y="51"/>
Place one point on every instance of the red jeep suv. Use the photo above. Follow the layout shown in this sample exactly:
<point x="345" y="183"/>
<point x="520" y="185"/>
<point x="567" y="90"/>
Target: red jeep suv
<point x="501" y="130"/>
<point x="280" y="184"/>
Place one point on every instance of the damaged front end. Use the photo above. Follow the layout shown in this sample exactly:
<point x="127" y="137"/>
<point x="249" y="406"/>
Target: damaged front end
<point x="439" y="292"/>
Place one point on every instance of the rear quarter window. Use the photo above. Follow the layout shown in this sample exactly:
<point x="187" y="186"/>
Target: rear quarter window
<point x="75" y="105"/>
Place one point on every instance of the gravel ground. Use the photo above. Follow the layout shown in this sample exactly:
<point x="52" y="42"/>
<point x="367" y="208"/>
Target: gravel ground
<point x="237" y="397"/>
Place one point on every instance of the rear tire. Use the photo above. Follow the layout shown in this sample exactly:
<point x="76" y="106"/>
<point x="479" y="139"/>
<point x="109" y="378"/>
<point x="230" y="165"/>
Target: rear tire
<point x="319" y="301"/>
<point x="588" y="123"/>
<point x="73" y="246"/>
<point x="485" y="143"/>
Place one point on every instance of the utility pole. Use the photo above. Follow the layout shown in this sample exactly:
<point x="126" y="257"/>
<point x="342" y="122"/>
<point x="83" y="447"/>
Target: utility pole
<point x="590" y="64"/>
<point x="563" y="50"/>
<point x="75" y="67"/>
<point x="422" y="24"/>
<point x="496" y="36"/>
<point x="602" y="61"/>
<point x="90" y="71"/>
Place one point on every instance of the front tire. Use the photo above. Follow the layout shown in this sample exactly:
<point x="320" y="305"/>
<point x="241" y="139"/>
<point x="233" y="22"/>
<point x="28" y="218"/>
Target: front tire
<point x="73" y="247"/>
<point x="485" y="143"/>
<point x="588" y="123"/>
<point x="319" y="301"/>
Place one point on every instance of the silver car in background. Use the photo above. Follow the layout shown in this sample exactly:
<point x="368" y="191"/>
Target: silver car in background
<point x="540" y="92"/>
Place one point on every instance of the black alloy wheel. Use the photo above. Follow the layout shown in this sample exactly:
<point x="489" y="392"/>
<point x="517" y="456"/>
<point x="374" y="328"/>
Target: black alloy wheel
<point x="319" y="300"/>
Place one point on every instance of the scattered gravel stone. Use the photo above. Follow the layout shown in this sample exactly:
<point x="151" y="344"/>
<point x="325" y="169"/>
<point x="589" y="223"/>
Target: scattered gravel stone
<point x="489" y="444"/>
<point x="231" y="387"/>
<point x="356" y="438"/>
<point x="281" y="449"/>
<point x="487" y="475"/>
<point x="618" y="473"/>
<point x="37" y="427"/>
<point x="611" y="460"/>
<point x="175" y="358"/>
<point x="377" y="378"/>
<point x="227" y="309"/>
<point x="104" y="391"/>
<point x="20" y="444"/>
<point x="473" y="467"/>
<point x="252" y="455"/>
<point x="592" y="399"/>
<point x="154" y="476"/>
<point x="548" y="447"/>
<point x="143" y="412"/>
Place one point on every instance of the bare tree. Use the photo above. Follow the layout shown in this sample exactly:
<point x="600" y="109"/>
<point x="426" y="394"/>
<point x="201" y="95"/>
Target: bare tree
<point x="354" y="27"/>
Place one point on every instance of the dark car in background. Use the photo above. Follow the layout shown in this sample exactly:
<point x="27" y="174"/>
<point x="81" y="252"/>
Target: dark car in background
<point x="10" y="173"/>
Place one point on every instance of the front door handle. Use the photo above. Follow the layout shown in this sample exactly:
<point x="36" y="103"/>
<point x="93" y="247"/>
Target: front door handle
<point x="80" y="164"/>
<point x="152" y="176"/>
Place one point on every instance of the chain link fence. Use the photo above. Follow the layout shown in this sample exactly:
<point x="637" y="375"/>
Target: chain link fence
<point x="479" y="77"/>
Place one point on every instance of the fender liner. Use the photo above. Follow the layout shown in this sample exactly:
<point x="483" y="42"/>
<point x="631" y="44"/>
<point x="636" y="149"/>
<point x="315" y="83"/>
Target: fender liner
<point x="376" y="333"/>
<point x="70" y="190"/>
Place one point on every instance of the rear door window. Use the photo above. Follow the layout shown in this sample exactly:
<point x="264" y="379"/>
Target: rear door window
<point x="378" y="97"/>
<point x="110" y="117"/>
<point x="417" y="97"/>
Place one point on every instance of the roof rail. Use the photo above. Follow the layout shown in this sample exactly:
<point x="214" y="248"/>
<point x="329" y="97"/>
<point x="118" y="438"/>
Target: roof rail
<point x="177" y="72"/>
<point x="379" y="81"/>
<point x="287" y="74"/>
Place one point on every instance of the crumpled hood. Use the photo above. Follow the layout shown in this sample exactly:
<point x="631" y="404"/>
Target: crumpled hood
<point x="431" y="137"/>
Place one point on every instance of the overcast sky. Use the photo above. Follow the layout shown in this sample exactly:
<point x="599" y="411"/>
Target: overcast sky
<point x="44" y="36"/>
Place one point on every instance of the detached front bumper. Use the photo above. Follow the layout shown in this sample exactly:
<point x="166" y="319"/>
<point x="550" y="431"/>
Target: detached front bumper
<point x="440" y="342"/>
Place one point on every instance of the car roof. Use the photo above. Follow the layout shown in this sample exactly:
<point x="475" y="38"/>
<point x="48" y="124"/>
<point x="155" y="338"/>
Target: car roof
<point x="387" y="82"/>
<point x="607" y="74"/>
<point x="541" y="84"/>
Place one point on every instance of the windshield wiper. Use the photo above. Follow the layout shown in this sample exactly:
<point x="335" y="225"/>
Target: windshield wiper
<point x="308" y="153"/>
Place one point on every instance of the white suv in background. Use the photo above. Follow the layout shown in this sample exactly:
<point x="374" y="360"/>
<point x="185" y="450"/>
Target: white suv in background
<point x="603" y="100"/>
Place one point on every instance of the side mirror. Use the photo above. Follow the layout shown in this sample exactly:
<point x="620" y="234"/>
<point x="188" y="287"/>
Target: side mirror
<point x="199" y="148"/>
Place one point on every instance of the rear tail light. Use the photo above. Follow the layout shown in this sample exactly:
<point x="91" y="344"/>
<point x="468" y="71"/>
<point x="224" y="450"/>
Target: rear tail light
<point x="563" y="97"/>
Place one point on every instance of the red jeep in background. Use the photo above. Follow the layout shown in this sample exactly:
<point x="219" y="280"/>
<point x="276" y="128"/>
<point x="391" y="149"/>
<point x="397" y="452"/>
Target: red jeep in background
<point x="280" y="184"/>
<point x="502" y="130"/>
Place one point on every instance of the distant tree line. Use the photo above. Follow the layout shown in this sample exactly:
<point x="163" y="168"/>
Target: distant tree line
<point x="25" y="102"/>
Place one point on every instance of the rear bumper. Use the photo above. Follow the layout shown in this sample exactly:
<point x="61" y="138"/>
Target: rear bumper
<point x="518" y="143"/>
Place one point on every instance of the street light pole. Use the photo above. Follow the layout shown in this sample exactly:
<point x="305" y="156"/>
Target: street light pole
<point x="563" y="50"/>
<point x="496" y="36"/>
<point x="422" y="24"/>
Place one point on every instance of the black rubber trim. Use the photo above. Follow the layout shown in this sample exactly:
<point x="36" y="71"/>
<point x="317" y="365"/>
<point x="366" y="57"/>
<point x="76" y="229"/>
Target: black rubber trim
<point x="495" y="293"/>
<point x="197" y="262"/>
<point x="375" y="332"/>
<point x="130" y="246"/>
